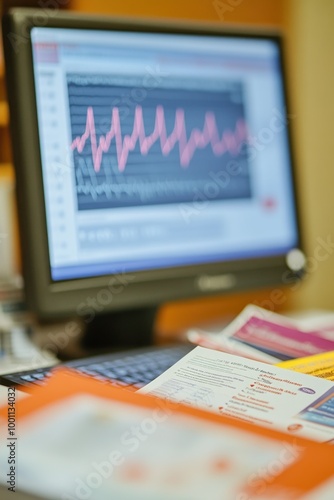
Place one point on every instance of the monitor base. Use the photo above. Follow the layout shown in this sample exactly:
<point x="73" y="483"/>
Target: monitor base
<point x="120" y="330"/>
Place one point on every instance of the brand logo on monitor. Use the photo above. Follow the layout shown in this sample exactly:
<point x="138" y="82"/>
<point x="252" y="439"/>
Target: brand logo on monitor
<point x="208" y="283"/>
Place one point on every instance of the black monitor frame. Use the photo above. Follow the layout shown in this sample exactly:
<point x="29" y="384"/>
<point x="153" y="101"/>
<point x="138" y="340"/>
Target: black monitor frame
<point x="112" y="293"/>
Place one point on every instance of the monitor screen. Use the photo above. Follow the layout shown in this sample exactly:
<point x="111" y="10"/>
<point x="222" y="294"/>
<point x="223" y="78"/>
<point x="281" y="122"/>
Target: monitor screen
<point x="156" y="155"/>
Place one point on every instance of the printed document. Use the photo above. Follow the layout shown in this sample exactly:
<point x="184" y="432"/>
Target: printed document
<point x="252" y="391"/>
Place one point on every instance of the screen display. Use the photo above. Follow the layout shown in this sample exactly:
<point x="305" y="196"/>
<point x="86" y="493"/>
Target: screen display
<point x="161" y="150"/>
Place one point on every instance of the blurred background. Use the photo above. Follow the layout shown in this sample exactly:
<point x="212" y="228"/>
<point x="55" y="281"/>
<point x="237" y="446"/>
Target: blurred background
<point x="309" y="41"/>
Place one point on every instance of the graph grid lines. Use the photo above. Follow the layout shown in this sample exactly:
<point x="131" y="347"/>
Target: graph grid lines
<point x="159" y="151"/>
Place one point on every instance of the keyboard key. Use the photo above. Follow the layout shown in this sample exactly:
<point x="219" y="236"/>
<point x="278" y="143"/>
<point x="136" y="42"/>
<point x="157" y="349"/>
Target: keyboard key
<point x="121" y="370"/>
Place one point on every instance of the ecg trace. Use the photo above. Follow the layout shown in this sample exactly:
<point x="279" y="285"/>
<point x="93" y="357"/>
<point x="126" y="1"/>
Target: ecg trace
<point x="229" y="141"/>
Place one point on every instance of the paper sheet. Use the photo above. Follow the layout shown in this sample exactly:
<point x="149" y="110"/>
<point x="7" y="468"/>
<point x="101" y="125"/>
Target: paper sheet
<point x="319" y="365"/>
<point x="249" y="390"/>
<point x="259" y="334"/>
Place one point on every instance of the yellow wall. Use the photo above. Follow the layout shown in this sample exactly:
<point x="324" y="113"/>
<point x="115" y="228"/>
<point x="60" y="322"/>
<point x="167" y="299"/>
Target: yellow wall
<point x="240" y="11"/>
<point x="310" y="37"/>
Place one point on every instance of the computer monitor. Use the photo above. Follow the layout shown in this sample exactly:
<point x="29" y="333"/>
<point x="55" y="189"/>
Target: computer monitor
<point x="153" y="163"/>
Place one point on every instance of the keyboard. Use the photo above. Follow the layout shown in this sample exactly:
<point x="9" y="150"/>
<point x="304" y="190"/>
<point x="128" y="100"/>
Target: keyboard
<point x="128" y="369"/>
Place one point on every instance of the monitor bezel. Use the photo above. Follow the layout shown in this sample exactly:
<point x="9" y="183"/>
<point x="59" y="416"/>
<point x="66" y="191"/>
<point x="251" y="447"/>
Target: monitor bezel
<point x="143" y="288"/>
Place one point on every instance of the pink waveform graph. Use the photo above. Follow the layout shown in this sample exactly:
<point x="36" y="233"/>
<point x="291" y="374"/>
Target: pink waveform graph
<point x="228" y="142"/>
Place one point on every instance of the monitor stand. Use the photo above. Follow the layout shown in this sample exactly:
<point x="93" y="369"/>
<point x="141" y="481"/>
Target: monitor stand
<point x="120" y="330"/>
